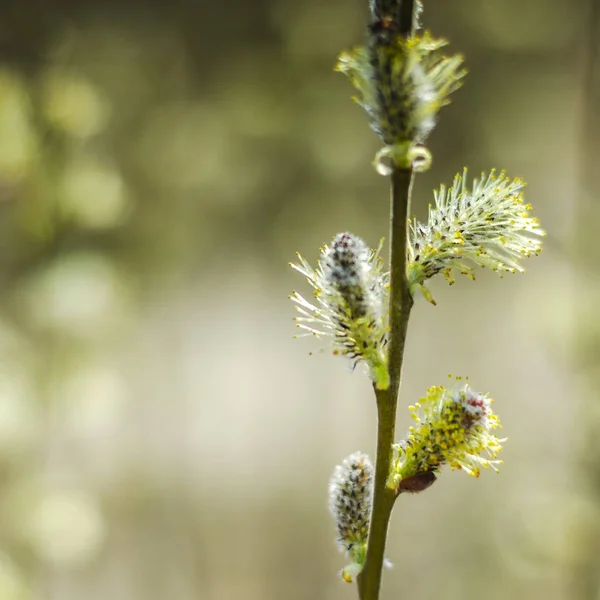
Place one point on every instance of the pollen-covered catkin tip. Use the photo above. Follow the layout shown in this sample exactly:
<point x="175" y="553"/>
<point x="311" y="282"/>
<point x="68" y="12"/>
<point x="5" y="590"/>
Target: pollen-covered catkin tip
<point x="452" y="427"/>
<point x="350" y="498"/>
<point x="349" y="302"/>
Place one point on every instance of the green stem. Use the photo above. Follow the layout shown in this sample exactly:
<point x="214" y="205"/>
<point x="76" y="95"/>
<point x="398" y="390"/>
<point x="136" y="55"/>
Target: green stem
<point x="401" y="300"/>
<point x="369" y="581"/>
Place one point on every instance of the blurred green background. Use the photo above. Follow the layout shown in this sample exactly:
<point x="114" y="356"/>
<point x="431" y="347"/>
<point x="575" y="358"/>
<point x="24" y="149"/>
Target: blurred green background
<point x="162" y="436"/>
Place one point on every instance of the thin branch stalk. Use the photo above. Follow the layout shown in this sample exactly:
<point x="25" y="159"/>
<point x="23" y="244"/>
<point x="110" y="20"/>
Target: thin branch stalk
<point x="369" y="581"/>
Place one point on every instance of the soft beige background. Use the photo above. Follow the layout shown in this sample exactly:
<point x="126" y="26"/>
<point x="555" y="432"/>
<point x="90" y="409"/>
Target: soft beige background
<point x="162" y="436"/>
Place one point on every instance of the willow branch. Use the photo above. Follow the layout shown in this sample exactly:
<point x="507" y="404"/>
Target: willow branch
<point x="369" y="581"/>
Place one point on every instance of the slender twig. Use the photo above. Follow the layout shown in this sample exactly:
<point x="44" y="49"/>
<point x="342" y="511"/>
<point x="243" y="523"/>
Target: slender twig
<point x="369" y="581"/>
<point x="400" y="297"/>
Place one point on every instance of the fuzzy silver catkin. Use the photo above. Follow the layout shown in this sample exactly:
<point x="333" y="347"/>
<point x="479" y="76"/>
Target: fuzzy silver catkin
<point x="402" y="83"/>
<point x="350" y="303"/>
<point x="350" y="498"/>
<point x="346" y="268"/>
